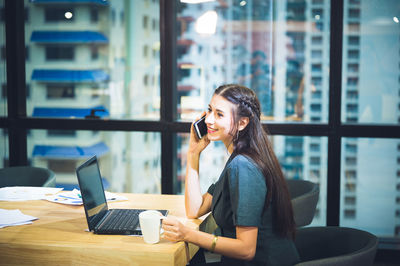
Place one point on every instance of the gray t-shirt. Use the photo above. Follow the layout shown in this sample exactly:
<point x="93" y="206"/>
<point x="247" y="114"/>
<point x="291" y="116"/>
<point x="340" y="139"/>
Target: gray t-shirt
<point x="238" y="200"/>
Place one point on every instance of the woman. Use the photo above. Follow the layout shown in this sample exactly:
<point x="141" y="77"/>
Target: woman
<point x="250" y="201"/>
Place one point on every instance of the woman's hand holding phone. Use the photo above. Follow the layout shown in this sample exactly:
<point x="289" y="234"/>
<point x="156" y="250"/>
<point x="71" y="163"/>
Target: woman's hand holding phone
<point x="197" y="145"/>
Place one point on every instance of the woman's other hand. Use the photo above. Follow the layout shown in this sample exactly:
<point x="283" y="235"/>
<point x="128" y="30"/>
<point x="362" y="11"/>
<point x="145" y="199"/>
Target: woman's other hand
<point x="174" y="230"/>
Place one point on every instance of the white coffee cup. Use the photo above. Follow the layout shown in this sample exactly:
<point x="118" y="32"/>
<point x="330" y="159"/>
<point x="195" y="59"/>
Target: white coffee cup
<point x="150" y="225"/>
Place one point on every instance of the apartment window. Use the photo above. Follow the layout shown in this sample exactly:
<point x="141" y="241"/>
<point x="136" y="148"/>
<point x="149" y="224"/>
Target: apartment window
<point x="60" y="91"/>
<point x="350" y="174"/>
<point x="4" y="90"/>
<point x="145" y="22"/>
<point x="316" y="107"/>
<point x="352" y="68"/>
<point x="352" y="94"/>
<point x="62" y="166"/>
<point x="350" y="161"/>
<point x="94" y="52"/>
<point x="353" y="26"/>
<point x="315" y="160"/>
<point x="316" y="54"/>
<point x="352" y="108"/>
<point x="3" y="53"/>
<point x="316" y="67"/>
<point x="317" y="13"/>
<point x="350" y="187"/>
<point x="59" y="14"/>
<point x="353" y="40"/>
<point x="27" y="54"/>
<point x="94" y="15"/>
<point x="351" y="147"/>
<point x="60" y="53"/>
<point x="350" y="214"/>
<point x="316" y="81"/>
<point x="113" y="18"/>
<point x="316" y="40"/>
<point x="352" y="81"/>
<point x="317" y="94"/>
<point x="61" y="133"/>
<point x="353" y="54"/>
<point x="350" y="200"/>
<point x="315" y="147"/>
<point x="354" y="13"/>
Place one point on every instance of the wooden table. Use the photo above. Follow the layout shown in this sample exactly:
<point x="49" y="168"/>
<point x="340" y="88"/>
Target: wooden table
<point x="60" y="236"/>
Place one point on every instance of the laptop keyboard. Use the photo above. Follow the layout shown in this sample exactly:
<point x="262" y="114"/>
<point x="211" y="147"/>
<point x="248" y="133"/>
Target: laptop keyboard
<point x="121" y="219"/>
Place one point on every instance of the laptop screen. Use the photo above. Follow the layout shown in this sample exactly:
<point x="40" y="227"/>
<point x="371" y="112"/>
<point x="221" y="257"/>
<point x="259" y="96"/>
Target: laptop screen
<point x="92" y="191"/>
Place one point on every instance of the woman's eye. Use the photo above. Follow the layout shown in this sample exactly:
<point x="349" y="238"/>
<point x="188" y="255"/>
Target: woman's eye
<point x="220" y="115"/>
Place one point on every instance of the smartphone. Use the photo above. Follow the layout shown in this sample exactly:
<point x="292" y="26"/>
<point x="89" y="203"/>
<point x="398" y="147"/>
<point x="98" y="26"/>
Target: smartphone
<point x="200" y="127"/>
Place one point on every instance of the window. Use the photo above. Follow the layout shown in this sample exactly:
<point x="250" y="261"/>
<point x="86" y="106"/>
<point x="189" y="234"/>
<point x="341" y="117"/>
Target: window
<point x="60" y="53"/>
<point x="62" y="166"/>
<point x="58" y="14"/>
<point x="61" y="133"/>
<point x="94" y="15"/>
<point x="353" y="40"/>
<point x="114" y="82"/>
<point x="60" y="91"/>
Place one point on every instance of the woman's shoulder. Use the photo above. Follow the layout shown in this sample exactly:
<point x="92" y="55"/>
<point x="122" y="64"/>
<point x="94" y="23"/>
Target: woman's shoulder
<point x="244" y="163"/>
<point x="242" y="160"/>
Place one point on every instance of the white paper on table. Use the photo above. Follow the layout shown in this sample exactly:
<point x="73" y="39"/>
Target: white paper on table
<point x="74" y="197"/>
<point x="19" y="193"/>
<point x="14" y="217"/>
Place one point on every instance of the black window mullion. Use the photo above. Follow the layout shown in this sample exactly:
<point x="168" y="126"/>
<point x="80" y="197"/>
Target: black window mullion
<point x="335" y="94"/>
<point x="168" y="99"/>
<point x="16" y="93"/>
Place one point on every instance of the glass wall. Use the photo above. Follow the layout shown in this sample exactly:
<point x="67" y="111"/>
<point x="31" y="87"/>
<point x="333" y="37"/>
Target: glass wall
<point x="124" y="165"/>
<point x="96" y="59"/>
<point x="371" y="64"/>
<point x="100" y="61"/>
<point x="280" y="49"/>
<point x="370" y="185"/>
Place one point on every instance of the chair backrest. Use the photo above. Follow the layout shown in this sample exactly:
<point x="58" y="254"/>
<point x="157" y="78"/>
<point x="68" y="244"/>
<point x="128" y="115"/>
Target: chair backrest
<point x="27" y="176"/>
<point x="304" y="196"/>
<point x="332" y="245"/>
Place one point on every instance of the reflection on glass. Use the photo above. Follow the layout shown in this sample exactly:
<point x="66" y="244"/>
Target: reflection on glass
<point x="129" y="162"/>
<point x="95" y="59"/>
<point x="300" y="157"/>
<point x="370" y="69"/>
<point x="280" y="49"/>
<point x="370" y="185"/>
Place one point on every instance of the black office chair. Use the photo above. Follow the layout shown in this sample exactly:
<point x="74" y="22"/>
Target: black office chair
<point x="335" y="246"/>
<point x="27" y="176"/>
<point x="304" y="195"/>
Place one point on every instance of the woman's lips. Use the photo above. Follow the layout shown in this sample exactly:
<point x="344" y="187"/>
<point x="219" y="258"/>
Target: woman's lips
<point x="210" y="130"/>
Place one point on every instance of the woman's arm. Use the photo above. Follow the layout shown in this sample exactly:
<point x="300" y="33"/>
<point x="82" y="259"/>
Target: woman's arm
<point x="242" y="247"/>
<point x="196" y="204"/>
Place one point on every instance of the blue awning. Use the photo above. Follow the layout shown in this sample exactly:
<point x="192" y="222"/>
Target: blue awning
<point x="68" y="112"/>
<point x="59" y="75"/>
<point x="69" y="152"/>
<point x="68" y="37"/>
<point x="99" y="2"/>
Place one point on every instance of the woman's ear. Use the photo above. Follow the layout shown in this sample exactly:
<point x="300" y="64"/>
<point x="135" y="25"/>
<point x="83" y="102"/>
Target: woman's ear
<point x="243" y="122"/>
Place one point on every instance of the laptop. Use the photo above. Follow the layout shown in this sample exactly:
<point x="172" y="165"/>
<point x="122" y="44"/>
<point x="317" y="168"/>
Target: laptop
<point x="100" y="219"/>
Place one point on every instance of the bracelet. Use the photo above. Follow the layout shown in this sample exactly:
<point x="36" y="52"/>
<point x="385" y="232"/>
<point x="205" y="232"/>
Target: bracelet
<point x="214" y="242"/>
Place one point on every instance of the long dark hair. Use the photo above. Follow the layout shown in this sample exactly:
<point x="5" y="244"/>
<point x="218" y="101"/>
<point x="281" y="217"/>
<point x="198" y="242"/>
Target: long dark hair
<point x="253" y="142"/>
